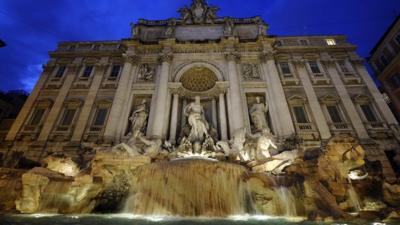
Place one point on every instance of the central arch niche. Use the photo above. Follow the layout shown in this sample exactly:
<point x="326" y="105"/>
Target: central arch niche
<point x="198" y="79"/>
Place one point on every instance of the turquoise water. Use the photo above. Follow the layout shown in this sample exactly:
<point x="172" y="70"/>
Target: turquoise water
<point x="134" y="220"/>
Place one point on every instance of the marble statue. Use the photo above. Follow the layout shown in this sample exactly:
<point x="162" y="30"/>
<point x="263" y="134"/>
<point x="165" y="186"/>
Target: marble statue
<point x="198" y="10"/>
<point x="185" y="15"/>
<point x="228" y="29"/>
<point x="169" y="33"/>
<point x="211" y="14"/>
<point x="153" y="147"/>
<point x="146" y="73"/>
<point x="258" y="115"/>
<point x="199" y="126"/>
<point x="138" y="119"/>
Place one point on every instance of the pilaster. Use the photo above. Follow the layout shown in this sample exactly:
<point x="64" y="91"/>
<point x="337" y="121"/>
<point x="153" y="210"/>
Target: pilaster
<point x="315" y="106"/>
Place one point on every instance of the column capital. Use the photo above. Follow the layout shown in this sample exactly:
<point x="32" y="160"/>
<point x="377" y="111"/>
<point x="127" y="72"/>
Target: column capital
<point x="232" y="56"/>
<point x="133" y="59"/>
<point x="328" y="60"/>
<point x="267" y="55"/>
<point x="298" y="61"/>
<point x="74" y="67"/>
<point x="102" y="65"/>
<point x="166" y="57"/>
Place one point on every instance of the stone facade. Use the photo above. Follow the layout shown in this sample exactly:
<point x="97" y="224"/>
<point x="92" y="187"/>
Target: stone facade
<point x="315" y="87"/>
<point x="385" y="60"/>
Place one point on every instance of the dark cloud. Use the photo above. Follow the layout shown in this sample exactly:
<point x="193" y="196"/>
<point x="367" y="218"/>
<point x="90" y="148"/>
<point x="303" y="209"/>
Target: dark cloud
<point x="32" y="28"/>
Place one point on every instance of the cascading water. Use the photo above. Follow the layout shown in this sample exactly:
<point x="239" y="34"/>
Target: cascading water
<point x="190" y="188"/>
<point x="355" y="200"/>
<point x="286" y="202"/>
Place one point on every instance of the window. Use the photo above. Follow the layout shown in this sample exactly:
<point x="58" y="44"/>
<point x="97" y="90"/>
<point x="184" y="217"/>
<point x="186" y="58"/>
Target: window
<point x="334" y="113"/>
<point x="100" y="117"/>
<point x="37" y="117"/>
<point x="300" y="114"/>
<point x="330" y="41"/>
<point x="285" y="68"/>
<point x="369" y="113"/>
<point x="303" y="42"/>
<point x="394" y="81"/>
<point x="60" y="72"/>
<point x="68" y="117"/>
<point x="88" y="71"/>
<point x="115" y="71"/>
<point x="314" y="67"/>
<point x="397" y="38"/>
<point x="384" y="60"/>
<point x="343" y="66"/>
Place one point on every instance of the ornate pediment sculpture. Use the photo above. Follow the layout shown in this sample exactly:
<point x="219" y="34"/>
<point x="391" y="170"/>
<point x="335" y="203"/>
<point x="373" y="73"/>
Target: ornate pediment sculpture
<point x="199" y="12"/>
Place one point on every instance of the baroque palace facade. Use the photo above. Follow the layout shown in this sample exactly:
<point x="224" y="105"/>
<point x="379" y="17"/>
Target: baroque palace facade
<point x="314" y="87"/>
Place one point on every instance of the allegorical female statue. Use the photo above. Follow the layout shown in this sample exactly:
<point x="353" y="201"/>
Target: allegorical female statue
<point x="138" y="119"/>
<point x="199" y="126"/>
<point x="258" y="114"/>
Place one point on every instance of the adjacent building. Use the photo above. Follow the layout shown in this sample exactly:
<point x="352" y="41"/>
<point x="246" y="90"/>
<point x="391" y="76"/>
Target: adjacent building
<point x="2" y="43"/>
<point x="385" y="61"/>
<point x="11" y="103"/>
<point x="315" y="87"/>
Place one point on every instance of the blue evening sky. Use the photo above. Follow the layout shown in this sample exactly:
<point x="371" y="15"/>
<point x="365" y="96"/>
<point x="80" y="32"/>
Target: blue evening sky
<point x="32" y="28"/>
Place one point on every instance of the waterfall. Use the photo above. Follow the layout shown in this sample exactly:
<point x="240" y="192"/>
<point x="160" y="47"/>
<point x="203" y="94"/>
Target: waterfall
<point x="189" y="188"/>
<point x="355" y="200"/>
<point x="285" y="202"/>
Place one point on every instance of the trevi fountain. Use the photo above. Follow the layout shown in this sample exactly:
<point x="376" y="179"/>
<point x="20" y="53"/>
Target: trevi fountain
<point x="202" y="177"/>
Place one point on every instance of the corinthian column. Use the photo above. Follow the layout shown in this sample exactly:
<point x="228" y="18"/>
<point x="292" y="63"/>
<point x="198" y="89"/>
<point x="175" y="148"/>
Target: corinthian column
<point x="346" y="100"/>
<point x="58" y="104"/>
<point x="121" y="97"/>
<point x="236" y="109"/>
<point x="161" y="97"/>
<point x="222" y="117"/>
<point x="174" y="119"/>
<point x="29" y="104"/>
<point x="278" y="107"/>
<point x="88" y="105"/>
<point x="316" y="110"/>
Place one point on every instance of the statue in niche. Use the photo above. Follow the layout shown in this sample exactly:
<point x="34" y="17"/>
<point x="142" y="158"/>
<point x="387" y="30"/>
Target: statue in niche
<point x="228" y="29"/>
<point x="199" y="126"/>
<point x="138" y="120"/>
<point x="258" y="114"/>
<point x="251" y="72"/>
<point x="146" y="73"/>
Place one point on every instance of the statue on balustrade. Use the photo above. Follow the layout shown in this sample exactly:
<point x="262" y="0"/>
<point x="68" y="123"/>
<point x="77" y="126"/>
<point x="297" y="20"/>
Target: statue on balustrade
<point x="197" y="121"/>
<point x="258" y="113"/>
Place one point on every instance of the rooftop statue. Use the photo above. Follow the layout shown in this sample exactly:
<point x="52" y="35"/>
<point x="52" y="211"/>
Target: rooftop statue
<point x="199" y="12"/>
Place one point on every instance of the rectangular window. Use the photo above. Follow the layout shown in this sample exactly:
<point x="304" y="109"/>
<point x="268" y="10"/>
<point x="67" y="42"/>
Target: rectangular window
<point x="115" y="71"/>
<point x="37" y="117"/>
<point x="100" y="117"/>
<point x="60" y="72"/>
<point x="384" y="60"/>
<point x="314" y="67"/>
<point x="303" y="42"/>
<point x="68" y="117"/>
<point x="88" y="71"/>
<point x="343" y="66"/>
<point x="369" y="113"/>
<point x="334" y="113"/>
<point x="394" y="81"/>
<point x="330" y="41"/>
<point x="397" y="38"/>
<point x="285" y="68"/>
<point x="300" y="113"/>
